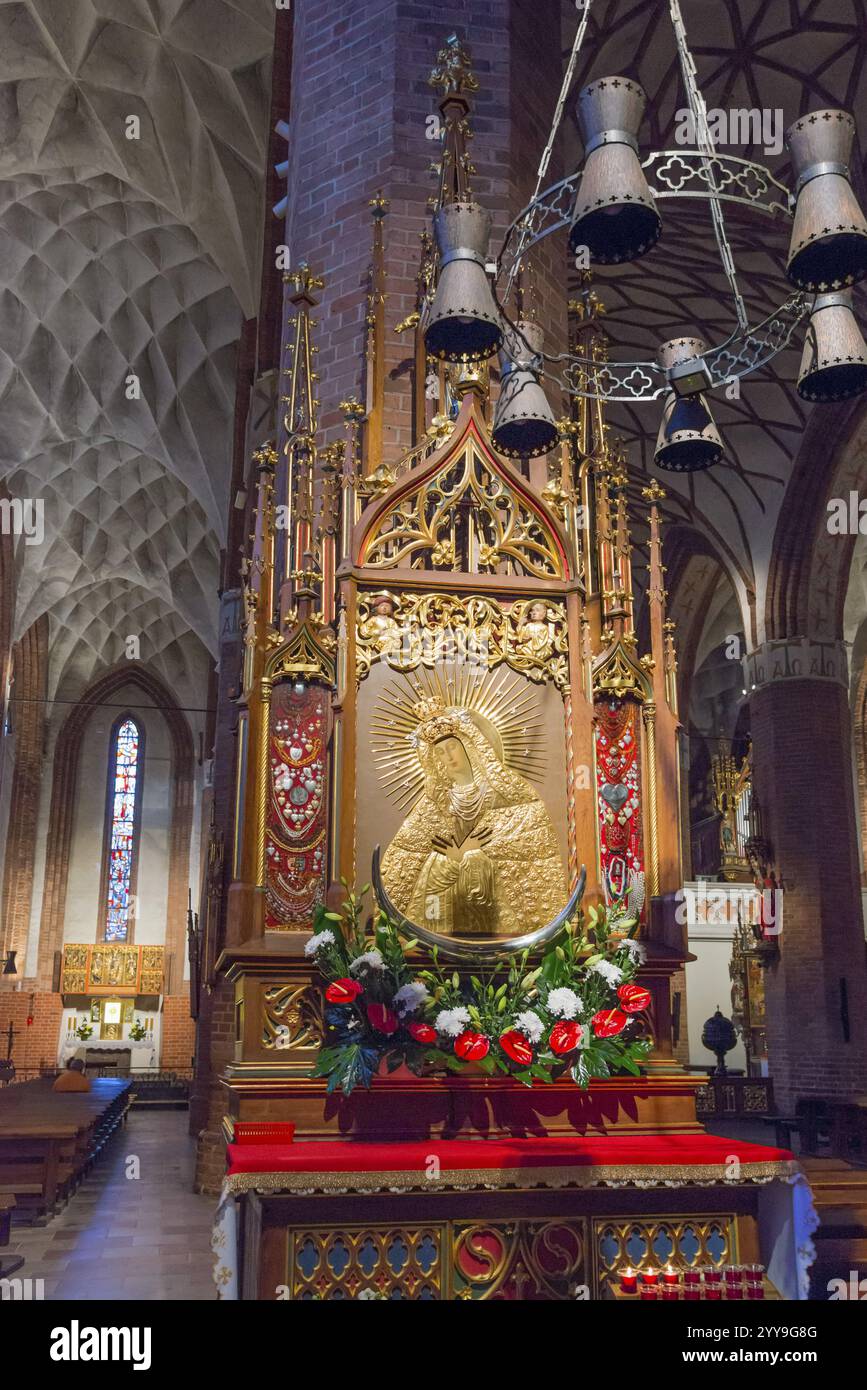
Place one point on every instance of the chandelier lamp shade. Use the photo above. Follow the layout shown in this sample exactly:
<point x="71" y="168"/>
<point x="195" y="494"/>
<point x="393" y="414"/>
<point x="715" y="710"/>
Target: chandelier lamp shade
<point x="465" y="323"/>
<point x="524" y="424"/>
<point x="834" y="361"/>
<point x="688" y="439"/>
<point x="828" y="249"/>
<point x="615" y="214"/>
<point x="612" y="209"/>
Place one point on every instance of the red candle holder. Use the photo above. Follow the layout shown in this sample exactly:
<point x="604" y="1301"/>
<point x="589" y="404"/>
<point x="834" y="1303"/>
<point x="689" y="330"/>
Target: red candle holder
<point x="670" y="1276"/>
<point x="649" y="1291"/>
<point x="671" y="1292"/>
<point x="628" y="1280"/>
<point x="734" y="1281"/>
<point x="649" y="1278"/>
<point x="692" y="1276"/>
<point x="754" y="1273"/>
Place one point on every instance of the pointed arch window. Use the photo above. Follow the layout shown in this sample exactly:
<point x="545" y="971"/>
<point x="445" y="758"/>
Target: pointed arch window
<point x="120" y="855"/>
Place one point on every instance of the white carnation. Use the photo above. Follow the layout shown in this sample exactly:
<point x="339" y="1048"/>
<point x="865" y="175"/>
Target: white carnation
<point x="530" y="1025"/>
<point x="323" y="938"/>
<point x="563" y="1003"/>
<point x="410" y="997"/>
<point x="452" y="1021"/>
<point x="371" y="960"/>
<point x="611" y="974"/>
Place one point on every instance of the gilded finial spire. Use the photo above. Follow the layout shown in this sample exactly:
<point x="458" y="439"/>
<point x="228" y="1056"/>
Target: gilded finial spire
<point x="454" y="76"/>
<point x="453" y="73"/>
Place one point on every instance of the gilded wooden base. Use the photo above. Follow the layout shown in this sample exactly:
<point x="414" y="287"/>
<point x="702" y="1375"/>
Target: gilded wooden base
<point x="518" y="1245"/>
<point x="407" y="1107"/>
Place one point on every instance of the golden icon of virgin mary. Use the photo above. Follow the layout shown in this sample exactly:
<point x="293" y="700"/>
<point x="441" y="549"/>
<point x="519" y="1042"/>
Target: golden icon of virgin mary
<point x="477" y="854"/>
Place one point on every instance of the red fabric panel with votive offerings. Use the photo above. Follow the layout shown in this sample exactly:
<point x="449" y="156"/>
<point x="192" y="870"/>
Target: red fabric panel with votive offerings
<point x="354" y="1156"/>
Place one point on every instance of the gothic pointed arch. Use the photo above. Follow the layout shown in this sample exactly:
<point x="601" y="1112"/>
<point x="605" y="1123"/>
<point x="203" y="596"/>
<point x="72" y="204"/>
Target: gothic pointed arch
<point x="62" y="810"/>
<point x="464" y="509"/>
<point x="809" y="569"/>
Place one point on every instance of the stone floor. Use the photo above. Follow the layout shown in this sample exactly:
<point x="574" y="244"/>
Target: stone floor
<point x="124" y="1237"/>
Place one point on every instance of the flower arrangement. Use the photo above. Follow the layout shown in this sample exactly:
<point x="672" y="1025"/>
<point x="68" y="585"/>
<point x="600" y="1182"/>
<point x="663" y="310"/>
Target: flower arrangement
<point x="84" y="1030"/>
<point x="137" y="1031"/>
<point x="574" y="1013"/>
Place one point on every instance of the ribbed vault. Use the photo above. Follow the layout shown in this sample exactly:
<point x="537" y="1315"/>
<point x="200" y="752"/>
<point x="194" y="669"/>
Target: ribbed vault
<point x="129" y="256"/>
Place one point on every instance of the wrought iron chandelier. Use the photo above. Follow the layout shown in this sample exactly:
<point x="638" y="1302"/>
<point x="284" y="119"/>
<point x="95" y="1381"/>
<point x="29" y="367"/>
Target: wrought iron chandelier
<point x="610" y="206"/>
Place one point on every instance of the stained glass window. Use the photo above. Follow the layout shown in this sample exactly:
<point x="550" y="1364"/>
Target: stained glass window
<point x="124" y="785"/>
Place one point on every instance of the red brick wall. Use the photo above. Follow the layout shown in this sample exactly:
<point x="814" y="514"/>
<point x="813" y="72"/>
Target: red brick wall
<point x="681" y="1047"/>
<point x="178" y="1033"/>
<point x="361" y="98"/>
<point x="803" y="776"/>
<point x="207" y="1105"/>
<point x="36" y="1046"/>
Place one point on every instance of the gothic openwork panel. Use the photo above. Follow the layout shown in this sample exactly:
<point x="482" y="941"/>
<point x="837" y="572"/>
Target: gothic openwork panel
<point x="465" y="511"/>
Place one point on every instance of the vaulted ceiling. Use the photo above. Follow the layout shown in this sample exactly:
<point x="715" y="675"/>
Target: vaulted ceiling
<point x="133" y="138"/>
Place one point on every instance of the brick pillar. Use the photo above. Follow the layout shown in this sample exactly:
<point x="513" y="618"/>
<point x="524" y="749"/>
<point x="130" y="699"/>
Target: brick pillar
<point x="215" y="1024"/>
<point x="802" y="754"/>
<point x="178" y="1035"/>
<point x="31" y="673"/>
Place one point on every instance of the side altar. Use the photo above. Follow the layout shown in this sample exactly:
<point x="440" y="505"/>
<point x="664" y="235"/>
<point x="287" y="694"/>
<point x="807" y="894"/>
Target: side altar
<point x="462" y="1083"/>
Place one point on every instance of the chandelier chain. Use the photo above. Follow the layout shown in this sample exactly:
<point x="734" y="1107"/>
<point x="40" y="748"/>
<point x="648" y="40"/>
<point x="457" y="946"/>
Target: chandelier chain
<point x="705" y="143"/>
<point x="526" y="229"/>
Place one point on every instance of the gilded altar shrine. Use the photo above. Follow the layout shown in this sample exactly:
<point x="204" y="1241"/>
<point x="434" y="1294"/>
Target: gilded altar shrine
<point x="446" y="692"/>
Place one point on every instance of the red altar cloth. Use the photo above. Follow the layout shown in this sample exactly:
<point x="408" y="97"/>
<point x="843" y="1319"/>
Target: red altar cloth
<point x="317" y="1165"/>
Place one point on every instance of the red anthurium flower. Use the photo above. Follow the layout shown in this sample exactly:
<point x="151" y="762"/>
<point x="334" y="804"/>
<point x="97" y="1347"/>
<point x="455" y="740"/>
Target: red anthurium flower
<point x="382" y="1018"/>
<point x="633" y="998"/>
<point x="565" y="1037"/>
<point x="422" y="1032"/>
<point x="472" y="1047"/>
<point x="342" y="991"/>
<point x="608" y="1022"/>
<point x="517" y="1047"/>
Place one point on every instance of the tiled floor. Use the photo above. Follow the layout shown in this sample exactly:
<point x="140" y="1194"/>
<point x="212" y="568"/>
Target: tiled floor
<point x="124" y="1237"/>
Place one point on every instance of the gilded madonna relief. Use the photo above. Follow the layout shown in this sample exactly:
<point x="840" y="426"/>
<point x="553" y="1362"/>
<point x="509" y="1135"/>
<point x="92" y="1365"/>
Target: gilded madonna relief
<point x="468" y="809"/>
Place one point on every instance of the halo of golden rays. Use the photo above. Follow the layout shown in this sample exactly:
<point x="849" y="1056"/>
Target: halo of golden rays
<point x="500" y="703"/>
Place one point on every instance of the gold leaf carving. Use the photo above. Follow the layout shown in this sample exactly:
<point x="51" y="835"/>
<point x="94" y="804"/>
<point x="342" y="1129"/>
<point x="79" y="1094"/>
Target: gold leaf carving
<point x="413" y="630"/>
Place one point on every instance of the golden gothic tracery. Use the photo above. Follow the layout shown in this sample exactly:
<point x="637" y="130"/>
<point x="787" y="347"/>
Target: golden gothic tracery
<point x="467" y="516"/>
